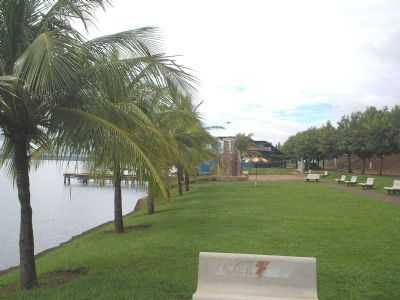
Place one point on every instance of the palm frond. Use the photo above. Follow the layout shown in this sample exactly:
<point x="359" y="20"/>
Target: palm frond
<point x="117" y="144"/>
<point x="142" y="41"/>
<point x="50" y="64"/>
<point x="7" y="151"/>
<point x="60" y="11"/>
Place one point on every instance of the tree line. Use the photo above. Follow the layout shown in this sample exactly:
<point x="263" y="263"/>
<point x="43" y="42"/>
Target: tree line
<point x="371" y="133"/>
<point x="116" y="100"/>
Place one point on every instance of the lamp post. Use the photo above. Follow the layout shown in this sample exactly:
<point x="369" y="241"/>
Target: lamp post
<point x="256" y="160"/>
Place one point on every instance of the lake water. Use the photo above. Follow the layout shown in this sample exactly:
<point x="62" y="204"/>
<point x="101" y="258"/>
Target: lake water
<point x="59" y="212"/>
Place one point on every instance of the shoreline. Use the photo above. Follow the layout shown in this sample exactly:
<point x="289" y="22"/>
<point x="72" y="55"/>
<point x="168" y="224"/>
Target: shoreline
<point x="135" y="209"/>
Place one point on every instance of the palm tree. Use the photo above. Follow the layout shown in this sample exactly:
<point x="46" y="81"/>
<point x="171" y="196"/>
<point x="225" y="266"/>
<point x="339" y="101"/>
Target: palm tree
<point x="158" y="106"/>
<point x="243" y="142"/>
<point x="185" y="140"/>
<point x="48" y="91"/>
<point x="191" y="138"/>
<point x="143" y="77"/>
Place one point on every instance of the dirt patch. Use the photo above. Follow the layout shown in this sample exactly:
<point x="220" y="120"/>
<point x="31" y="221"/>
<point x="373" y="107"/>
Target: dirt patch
<point x="273" y="178"/>
<point x="232" y="178"/>
<point x="52" y="279"/>
<point x="57" y="278"/>
<point x="7" y="290"/>
<point x="369" y="193"/>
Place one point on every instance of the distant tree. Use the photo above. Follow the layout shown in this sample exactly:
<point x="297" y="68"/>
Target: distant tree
<point x="365" y="134"/>
<point x="290" y="149"/>
<point x="346" y="134"/>
<point x="382" y="135"/>
<point x="328" y="142"/>
<point x="394" y="119"/>
<point x="308" y="147"/>
<point x="304" y="146"/>
<point x="243" y="142"/>
<point x="360" y="138"/>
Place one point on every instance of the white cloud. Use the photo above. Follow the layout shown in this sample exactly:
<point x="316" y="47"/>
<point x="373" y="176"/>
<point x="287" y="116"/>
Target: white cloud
<point x="254" y="58"/>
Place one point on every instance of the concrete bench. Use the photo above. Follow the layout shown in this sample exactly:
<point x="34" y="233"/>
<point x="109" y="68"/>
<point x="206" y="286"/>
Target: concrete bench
<point x="369" y="184"/>
<point x="352" y="181"/>
<point x="224" y="276"/>
<point x="342" y="179"/>
<point x="312" y="177"/>
<point x="394" y="188"/>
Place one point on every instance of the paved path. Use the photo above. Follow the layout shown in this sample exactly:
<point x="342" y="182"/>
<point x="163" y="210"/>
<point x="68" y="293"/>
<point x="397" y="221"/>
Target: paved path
<point x="340" y="187"/>
<point x="368" y="193"/>
<point x="276" y="177"/>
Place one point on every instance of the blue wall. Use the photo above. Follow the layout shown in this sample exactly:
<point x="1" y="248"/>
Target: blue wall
<point x="207" y="167"/>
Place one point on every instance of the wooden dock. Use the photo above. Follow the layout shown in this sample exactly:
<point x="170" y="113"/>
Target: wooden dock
<point x="98" y="178"/>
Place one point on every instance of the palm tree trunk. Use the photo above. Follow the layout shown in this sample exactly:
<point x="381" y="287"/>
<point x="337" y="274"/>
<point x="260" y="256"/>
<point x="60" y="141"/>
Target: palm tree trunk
<point x="28" y="276"/>
<point x="118" y="218"/>
<point x="381" y="165"/>
<point x="187" y="181"/>
<point x="364" y="162"/>
<point x="349" y="168"/>
<point x="180" y="180"/>
<point x="150" y="200"/>
<point x="168" y="186"/>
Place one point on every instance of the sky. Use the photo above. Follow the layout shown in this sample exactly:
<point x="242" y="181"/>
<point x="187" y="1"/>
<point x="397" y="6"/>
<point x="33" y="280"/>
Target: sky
<point x="275" y="67"/>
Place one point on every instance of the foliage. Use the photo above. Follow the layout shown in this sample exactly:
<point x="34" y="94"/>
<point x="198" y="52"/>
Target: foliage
<point x="328" y="141"/>
<point x="243" y="142"/>
<point x="366" y="134"/>
<point x="346" y="133"/>
<point x="381" y="134"/>
<point x="67" y="95"/>
<point x="183" y="123"/>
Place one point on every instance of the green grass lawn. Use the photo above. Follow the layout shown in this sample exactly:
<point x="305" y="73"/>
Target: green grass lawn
<point x="355" y="240"/>
<point x="270" y="171"/>
<point x="380" y="181"/>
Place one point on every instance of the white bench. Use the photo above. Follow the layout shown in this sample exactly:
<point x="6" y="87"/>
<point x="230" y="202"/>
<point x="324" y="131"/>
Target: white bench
<point x="224" y="276"/>
<point x="352" y="181"/>
<point x="369" y="184"/>
<point x="394" y="188"/>
<point x="312" y="177"/>
<point x="342" y="179"/>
